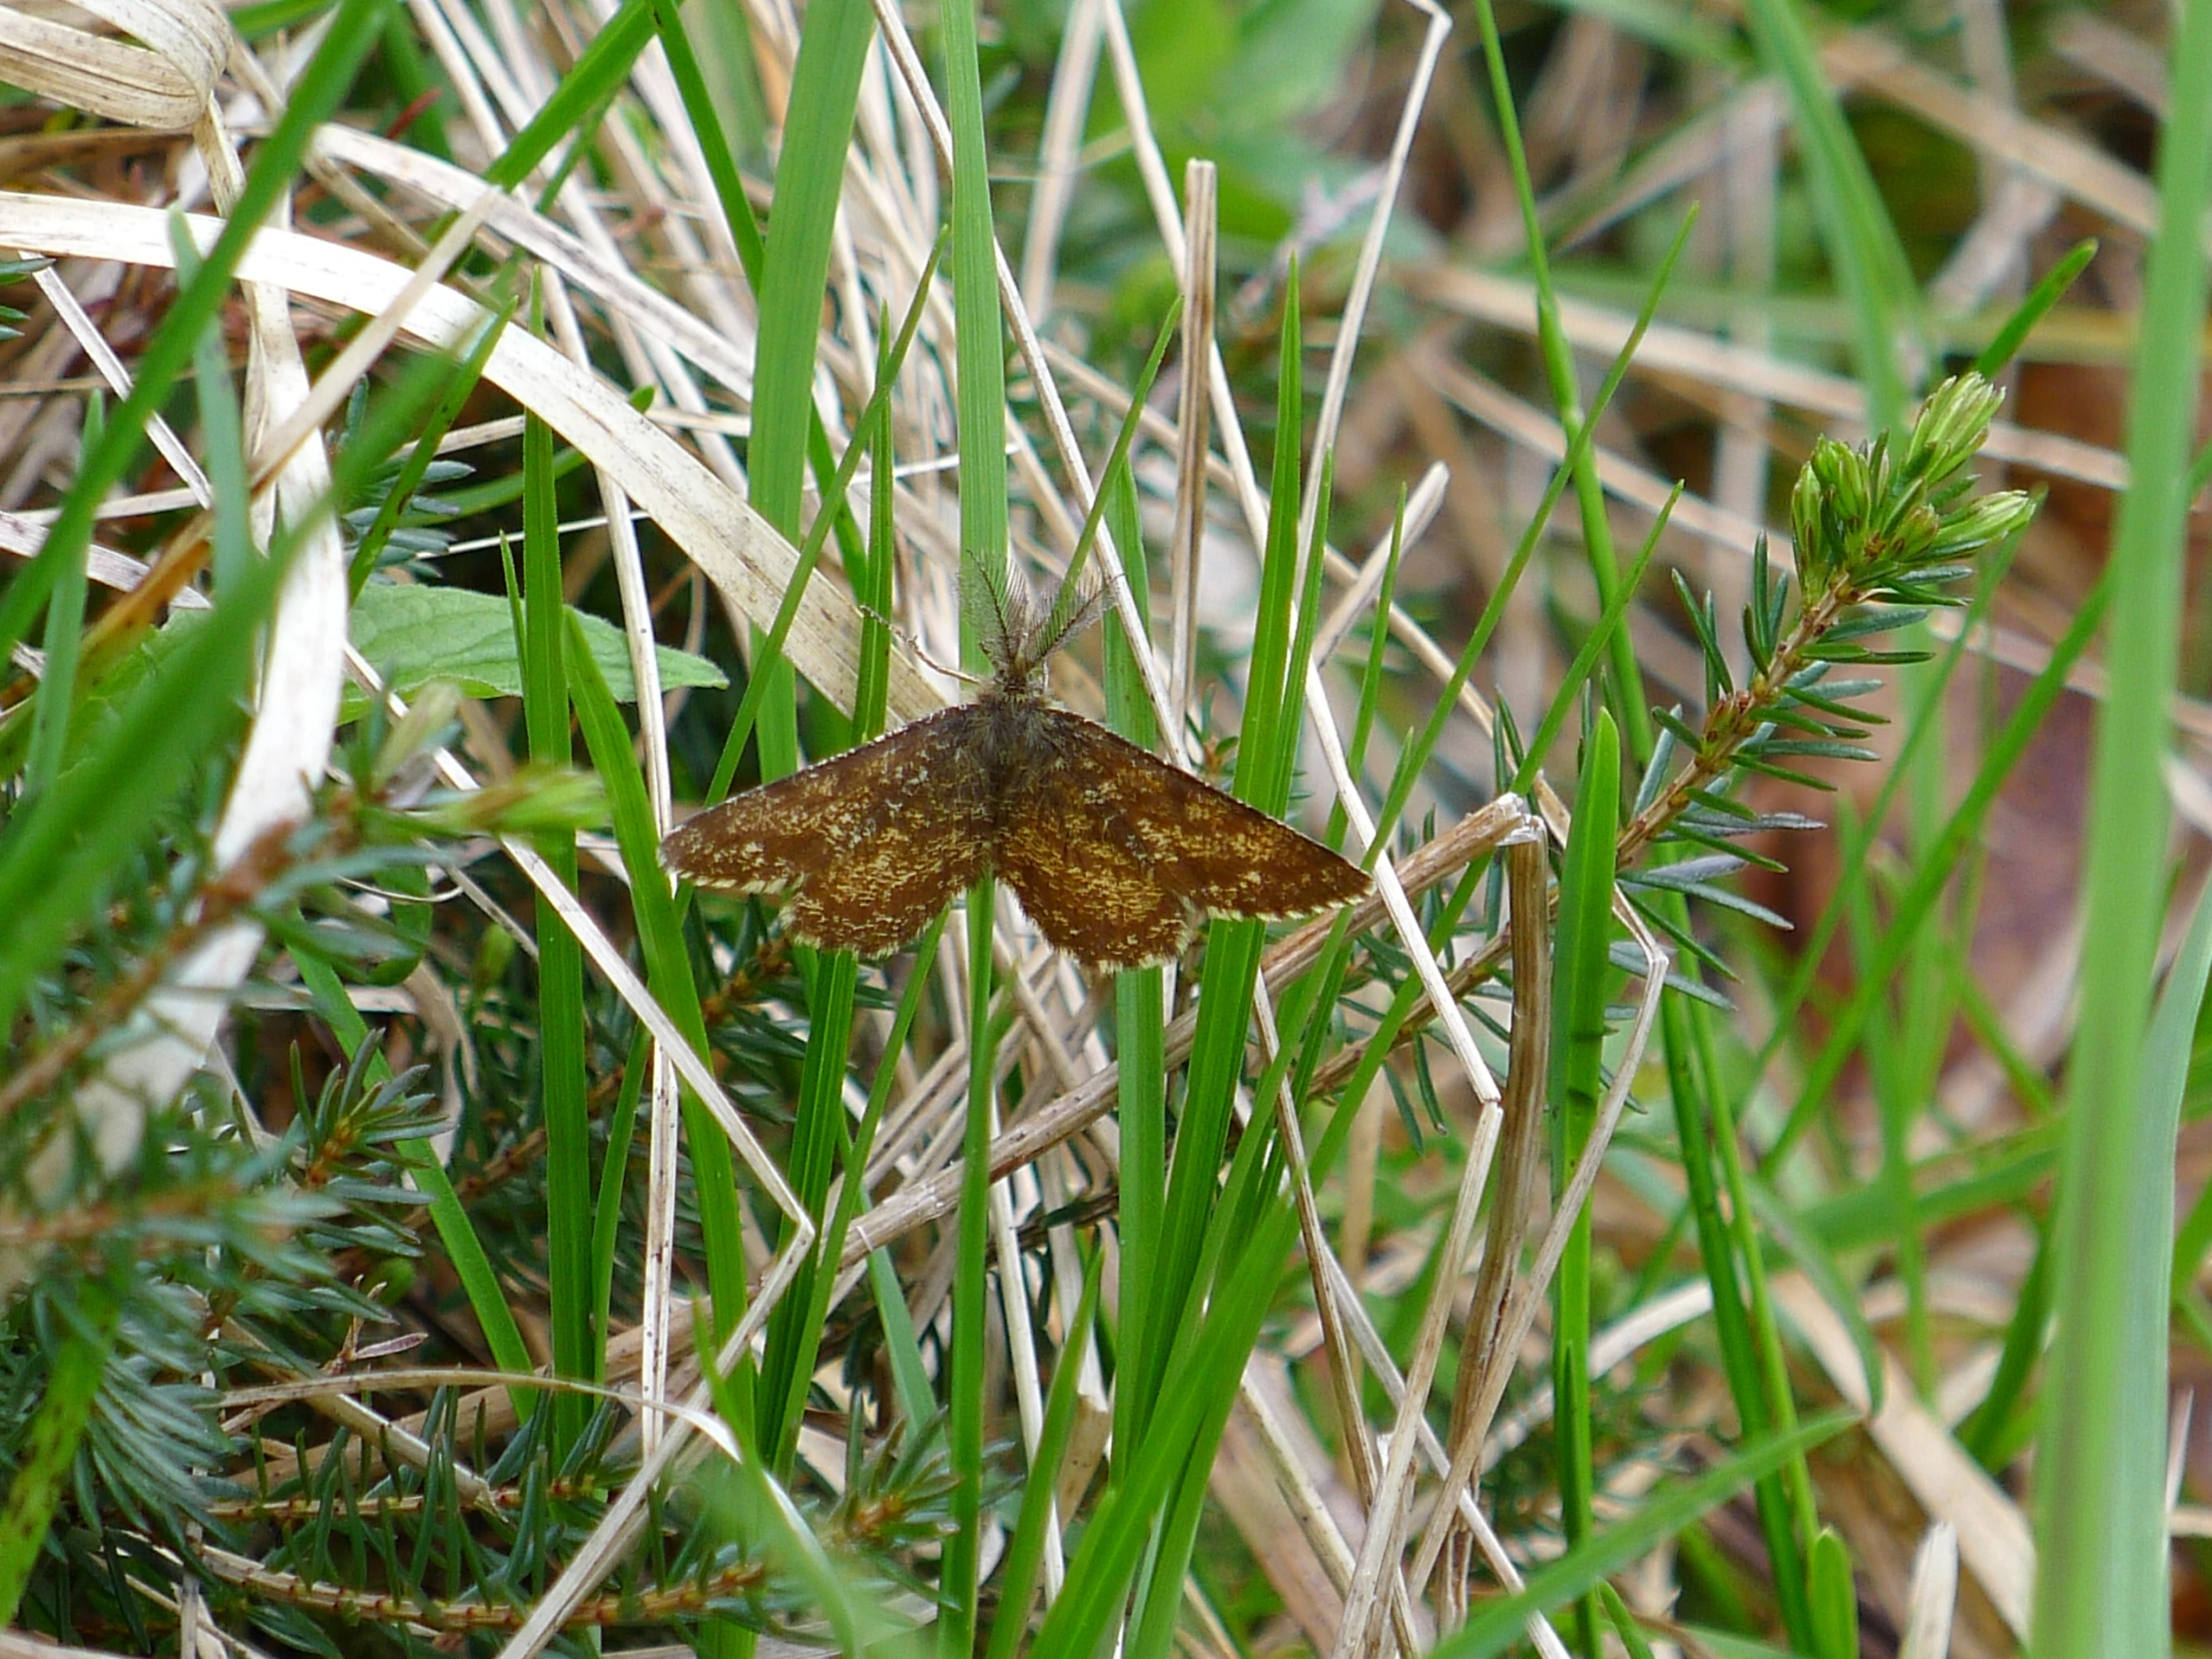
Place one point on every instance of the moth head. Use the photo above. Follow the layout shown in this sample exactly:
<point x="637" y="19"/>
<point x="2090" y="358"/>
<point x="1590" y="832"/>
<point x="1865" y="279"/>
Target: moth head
<point x="1017" y="628"/>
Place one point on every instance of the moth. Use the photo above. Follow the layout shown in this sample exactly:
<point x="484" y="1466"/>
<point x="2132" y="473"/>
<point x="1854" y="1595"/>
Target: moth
<point x="1114" y="854"/>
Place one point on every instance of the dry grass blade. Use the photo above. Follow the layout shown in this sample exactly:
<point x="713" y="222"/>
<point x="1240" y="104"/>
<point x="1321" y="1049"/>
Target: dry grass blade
<point x="330" y="1187"/>
<point x="1494" y="826"/>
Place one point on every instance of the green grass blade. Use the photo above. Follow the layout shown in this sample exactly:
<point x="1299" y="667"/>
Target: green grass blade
<point x="793" y="1338"/>
<point x="753" y="1505"/>
<point x="1370" y="676"/>
<point x="983" y="534"/>
<point x="2139" y="1458"/>
<point x="768" y="648"/>
<point x="809" y="175"/>
<point x="820" y="1131"/>
<point x="1703" y="1121"/>
<point x="910" y="1373"/>
<point x="1793" y="1498"/>
<point x="412" y="84"/>
<point x="1586" y="657"/>
<point x="50" y="1447"/>
<point x="1994" y="1425"/>
<point x="597" y="75"/>
<point x="562" y="1029"/>
<point x="1140" y="1021"/>
<point x="2101" y="1527"/>
<point x="980" y="350"/>
<point x="1259" y="744"/>
<point x="1160" y="1601"/>
<point x="818" y="124"/>
<point x="1582" y="976"/>
<point x="1500" y="1624"/>
<point x="1025" y="1549"/>
<point x="1558" y="359"/>
<point x="1855" y="229"/>
<point x="960" y="1586"/>
<point x="1833" y="1597"/>
<point x="1805" y="1245"/>
<point x="1184" y="1424"/>
<point x="1291" y="705"/>
<point x="826" y="83"/>
<point x="851" y="1196"/>
<point x="58" y="852"/>
<point x="1231" y="948"/>
<point x="222" y="435"/>
<point x="1255" y="1199"/>
<point x="1204" y="1239"/>
<point x="2013" y="333"/>
<point x="668" y="972"/>
<point x="65" y="634"/>
<point x="614" y="1170"/>
<point x="1624" y="1623"/>
<point x="871" y="582"/>
<point x="1065" y="601"/>
<point x="1414" y="758"/>
<point x="713" y="142"/>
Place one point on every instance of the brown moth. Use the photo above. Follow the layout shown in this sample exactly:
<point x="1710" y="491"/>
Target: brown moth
<point x="1113" y="852"/>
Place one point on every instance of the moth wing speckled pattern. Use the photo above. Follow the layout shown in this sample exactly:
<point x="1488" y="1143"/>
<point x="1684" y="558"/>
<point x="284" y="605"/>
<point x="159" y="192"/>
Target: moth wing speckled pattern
<point x="1114" y="853"/>
<point x="776" y="836"/>
<point x="1211" y="849"/>
<point x="1088" y="889"/>
<point x="876" y="896"/>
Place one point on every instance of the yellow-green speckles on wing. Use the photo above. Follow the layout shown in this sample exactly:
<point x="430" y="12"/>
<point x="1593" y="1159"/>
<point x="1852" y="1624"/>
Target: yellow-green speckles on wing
<point x="1112" y="852"/>
<point x="1084" y="890"/>
<point x="876" y="896"/>
<point x="1205" y="845"/>
<point x="770" y="837"/>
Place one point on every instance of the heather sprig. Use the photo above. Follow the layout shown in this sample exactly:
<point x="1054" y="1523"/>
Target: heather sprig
<point x="1885" y="531"/>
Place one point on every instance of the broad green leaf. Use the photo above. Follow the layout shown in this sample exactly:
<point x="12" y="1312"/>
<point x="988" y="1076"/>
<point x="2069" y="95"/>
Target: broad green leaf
<point x="416" y="634"/>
